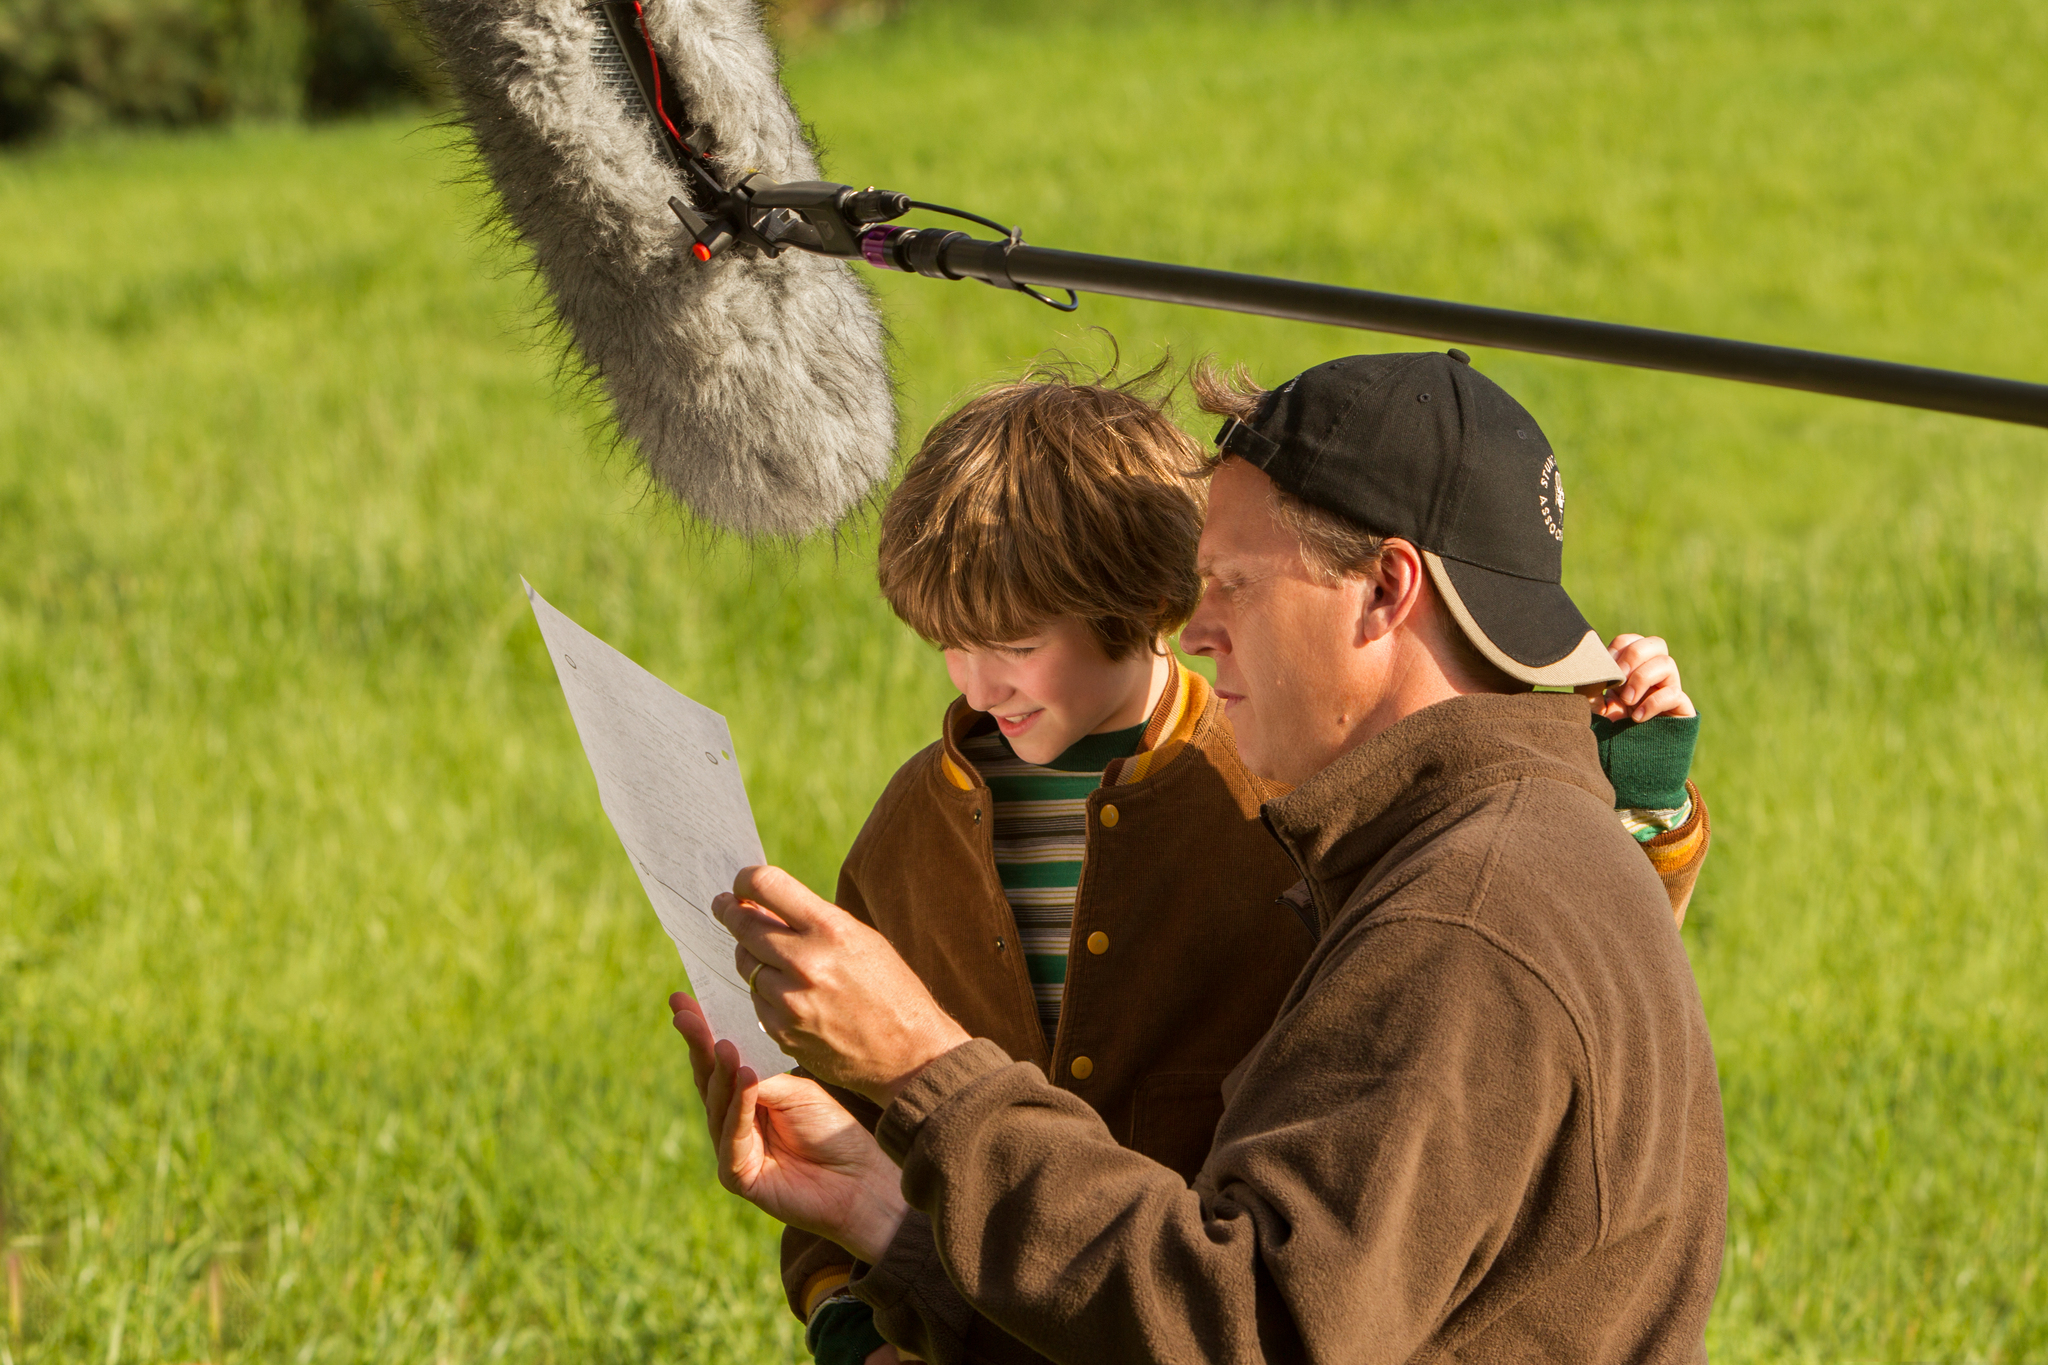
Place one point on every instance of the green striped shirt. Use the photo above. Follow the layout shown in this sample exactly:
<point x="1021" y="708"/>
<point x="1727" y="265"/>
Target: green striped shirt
<point x="1040" y="836"/>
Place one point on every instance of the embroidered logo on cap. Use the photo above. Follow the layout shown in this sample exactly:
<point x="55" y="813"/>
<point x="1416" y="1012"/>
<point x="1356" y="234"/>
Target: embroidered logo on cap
<point x="1551" y="496"/>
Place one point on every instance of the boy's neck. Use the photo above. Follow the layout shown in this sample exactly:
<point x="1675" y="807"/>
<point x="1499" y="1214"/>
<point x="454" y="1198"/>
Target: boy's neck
<point x="1144" y="700"/>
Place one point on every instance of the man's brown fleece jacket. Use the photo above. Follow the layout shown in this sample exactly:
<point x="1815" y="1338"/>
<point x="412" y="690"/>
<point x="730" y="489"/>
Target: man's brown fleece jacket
<point x="1485" y="1124"/>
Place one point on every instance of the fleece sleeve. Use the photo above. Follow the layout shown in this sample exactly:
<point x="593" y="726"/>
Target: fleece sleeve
<point x="1375" y="1156"/>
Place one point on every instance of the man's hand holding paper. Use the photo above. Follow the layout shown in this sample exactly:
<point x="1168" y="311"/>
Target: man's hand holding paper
<point x="829" y="990"/>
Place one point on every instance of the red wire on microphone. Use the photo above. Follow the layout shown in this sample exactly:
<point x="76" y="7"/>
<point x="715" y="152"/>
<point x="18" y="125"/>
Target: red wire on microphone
<point x="640" y="16"/>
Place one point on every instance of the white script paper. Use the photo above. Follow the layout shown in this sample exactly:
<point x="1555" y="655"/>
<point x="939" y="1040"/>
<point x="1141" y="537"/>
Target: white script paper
<point x="667" y="779"/>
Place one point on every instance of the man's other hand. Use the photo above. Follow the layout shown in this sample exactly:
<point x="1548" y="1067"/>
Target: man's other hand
<point x="829" y="990"/>
<point x="790" y="1149"/>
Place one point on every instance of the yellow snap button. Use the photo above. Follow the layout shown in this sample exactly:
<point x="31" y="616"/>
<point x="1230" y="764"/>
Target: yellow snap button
<point x="1098" y="943"/>
<point x="1082" y="1068"/>
<point x="1109" y="817"/>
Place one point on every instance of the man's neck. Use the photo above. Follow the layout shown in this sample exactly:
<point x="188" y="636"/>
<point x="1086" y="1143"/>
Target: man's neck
<point x="1418" y="676"/>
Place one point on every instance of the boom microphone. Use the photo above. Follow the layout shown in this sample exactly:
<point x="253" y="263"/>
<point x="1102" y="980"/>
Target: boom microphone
<point x="756" y="390"/>
<point x="647" y="153"/>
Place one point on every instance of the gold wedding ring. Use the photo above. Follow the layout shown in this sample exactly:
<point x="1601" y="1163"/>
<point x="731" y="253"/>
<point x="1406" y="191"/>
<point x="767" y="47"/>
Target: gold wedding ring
<point x="753" y="974"/>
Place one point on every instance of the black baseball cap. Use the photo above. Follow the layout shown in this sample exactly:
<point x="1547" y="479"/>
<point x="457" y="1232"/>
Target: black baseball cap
<point x="1424" y="447"/>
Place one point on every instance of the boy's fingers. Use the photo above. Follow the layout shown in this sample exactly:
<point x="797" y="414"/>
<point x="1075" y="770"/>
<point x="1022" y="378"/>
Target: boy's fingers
<point x="1668" y="700"/>
<point x="1654" y="701"/>
<point x="1640" y="650"/>
<point x="1621" y="641"/>
<point x="1653" y="673"/>
<point x="721" y="1150"/>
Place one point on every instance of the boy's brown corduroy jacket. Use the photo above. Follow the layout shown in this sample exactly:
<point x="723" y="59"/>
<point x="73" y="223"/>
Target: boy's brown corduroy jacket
<point x="1484" y="1126"/>
<point x="1181" y="951"/>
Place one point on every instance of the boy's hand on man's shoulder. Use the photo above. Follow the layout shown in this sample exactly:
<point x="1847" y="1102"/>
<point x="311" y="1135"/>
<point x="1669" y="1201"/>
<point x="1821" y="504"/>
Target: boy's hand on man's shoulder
<point x="1651" y="686"/>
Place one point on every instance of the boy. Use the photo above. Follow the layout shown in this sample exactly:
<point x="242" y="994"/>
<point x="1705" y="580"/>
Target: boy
<point x="1109" y="903"/>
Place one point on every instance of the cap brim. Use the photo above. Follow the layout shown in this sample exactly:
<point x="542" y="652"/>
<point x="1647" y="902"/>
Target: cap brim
<point x="1530" y="631"/>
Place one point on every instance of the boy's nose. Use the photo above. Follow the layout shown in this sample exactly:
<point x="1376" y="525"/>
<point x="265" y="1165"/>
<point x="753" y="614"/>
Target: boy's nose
<point x="985" y="698"/>
<point x="984" y="693"/>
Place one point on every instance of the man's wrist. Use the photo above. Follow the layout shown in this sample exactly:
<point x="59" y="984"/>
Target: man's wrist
<point x="945" y="1035"/>
<point x="877" y="1217"/>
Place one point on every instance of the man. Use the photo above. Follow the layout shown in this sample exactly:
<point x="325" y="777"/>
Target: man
<point x="1485" y="1122"/>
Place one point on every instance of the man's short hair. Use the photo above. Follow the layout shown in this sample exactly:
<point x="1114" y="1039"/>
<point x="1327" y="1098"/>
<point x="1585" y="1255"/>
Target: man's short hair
<point x="1042" y="499"/>
<point x="1333" y="546"/>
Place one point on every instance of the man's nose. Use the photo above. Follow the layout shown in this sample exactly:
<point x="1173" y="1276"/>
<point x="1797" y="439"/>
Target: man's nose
<point x="1204" y="635"/>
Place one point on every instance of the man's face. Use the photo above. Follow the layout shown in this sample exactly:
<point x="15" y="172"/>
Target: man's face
<point x="1291" y="668"/>
<point x="1051" y="688"/>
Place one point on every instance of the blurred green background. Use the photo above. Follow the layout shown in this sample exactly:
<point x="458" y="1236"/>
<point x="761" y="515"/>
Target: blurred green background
<point x="331" y="1022"/>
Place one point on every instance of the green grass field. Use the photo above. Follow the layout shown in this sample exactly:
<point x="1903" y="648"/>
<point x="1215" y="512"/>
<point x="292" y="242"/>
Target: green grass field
<point x="331" y="1021"/>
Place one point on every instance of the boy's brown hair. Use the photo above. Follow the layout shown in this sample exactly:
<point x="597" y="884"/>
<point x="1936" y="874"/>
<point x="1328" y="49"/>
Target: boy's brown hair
<point x="1041" y="499"/>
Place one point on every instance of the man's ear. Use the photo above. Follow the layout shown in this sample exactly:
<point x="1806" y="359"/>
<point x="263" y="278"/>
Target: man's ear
<point x="1393" y="588"/>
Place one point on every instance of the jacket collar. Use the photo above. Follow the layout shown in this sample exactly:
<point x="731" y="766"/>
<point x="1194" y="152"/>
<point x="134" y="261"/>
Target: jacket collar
<point x="1172" y="724"/>
<point x="1345" y="819"/>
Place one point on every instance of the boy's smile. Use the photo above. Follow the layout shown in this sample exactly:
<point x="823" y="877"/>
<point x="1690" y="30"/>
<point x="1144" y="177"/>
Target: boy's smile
<point x="1013" y="726"/>
<point x="1052" y="688"/>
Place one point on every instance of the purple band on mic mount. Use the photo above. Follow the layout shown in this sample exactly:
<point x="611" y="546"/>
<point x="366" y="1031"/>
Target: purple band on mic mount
<point x="874" y="247"/>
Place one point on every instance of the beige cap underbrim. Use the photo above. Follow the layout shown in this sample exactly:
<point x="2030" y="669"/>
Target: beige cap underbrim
<point x="1589" y="661"/>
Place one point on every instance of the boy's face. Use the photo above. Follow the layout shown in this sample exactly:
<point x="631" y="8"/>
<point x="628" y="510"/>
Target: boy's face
<point x="1049" y="689"/>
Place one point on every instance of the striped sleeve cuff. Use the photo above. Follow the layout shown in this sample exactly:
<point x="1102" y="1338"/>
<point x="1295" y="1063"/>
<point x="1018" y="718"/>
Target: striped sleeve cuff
<point x="823" y="1286"/>
<point x="1675" y="850"/>
<point x="1646" y="824"/>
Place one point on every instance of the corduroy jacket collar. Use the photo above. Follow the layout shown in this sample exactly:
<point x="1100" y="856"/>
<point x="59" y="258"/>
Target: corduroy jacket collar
<point x="1342" y="822"/>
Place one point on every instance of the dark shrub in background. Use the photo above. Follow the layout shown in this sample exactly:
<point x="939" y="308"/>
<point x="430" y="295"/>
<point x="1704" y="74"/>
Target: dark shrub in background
<point x="67" y="65"/>
<point x="365" y="54"/>
<point x="72" y="64"/>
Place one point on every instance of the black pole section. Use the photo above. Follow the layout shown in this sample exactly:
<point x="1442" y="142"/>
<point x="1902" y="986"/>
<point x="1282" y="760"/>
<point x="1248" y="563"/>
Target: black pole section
<point x="1879" y="381"/>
